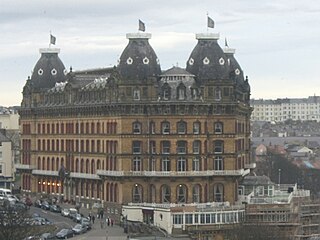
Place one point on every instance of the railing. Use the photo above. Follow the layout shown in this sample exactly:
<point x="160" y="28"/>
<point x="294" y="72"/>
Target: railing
<point x="84" y="175"/>
<point x="24" y="166"/>
<point x="250" y="165"/>
<point x="45" y="172"/>
<point x="198" y="206"/>
<point x="240" y="172"/>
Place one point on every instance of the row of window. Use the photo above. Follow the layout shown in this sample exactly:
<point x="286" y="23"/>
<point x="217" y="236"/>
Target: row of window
<point x="77" y="165"/>
<point x="181" y="195"/>
<point x="181" y="127"/>
<point x="181" y="164"/>
<point x="224" y="217"/>
<point x="72" y="128"/>
<point x="92" y="146"/>
<point x="181" y="147"/>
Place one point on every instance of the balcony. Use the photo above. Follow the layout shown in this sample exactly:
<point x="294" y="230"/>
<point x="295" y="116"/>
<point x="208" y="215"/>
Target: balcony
<point x="84" y="175"/>
<point x="24" y="166"/>
<point x="45" y="173"/>
<point x="240" y="172"/>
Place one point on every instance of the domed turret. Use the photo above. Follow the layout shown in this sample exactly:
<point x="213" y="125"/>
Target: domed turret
<point x="48" y="70"/>
<point x="138" y="61"/>
<point x="207" y="60"/>
<point x="235" y="71"/>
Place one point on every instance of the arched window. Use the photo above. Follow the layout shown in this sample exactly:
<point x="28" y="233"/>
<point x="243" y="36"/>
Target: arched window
<point x="136" y="127"/>
<point x="152" y="193"/>
<point x="87" y="166"/>
<point x="165" y="194"/>
<point x="181" y="127"/>
<point x="181" y="92"/>
<point x="48" y="163"/>
<point x="39" y="163"/>
<point x="98" y="164"/>
<point x="196" y="128"/>
<point x="181" y="193"/>
<point x="92" y="128"/>
<point x="165" y="127"/>
<point x="43" y="163"/>
<point x="218" y="127"/>
<point x="92" y="166"/>
<point x="196" y="193"/>
<point x="52" y="164"/>
<point x="82" y="166"/>
<point x="166" y="92"/>
<point x="218" y="191"/>
<point x="137" y="193"/>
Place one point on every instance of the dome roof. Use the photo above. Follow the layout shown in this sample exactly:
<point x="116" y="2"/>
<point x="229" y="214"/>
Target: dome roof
<point x="48" y="70"/>
<point x="138" y="61"/>
<point x="207" y="60"/>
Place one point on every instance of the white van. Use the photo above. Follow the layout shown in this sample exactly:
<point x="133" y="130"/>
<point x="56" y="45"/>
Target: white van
<point x="4" y="192"/>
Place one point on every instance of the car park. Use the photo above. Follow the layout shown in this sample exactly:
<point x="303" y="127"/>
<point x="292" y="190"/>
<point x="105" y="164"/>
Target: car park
<point x="45" y="205"/>
<point x="55" y="208"/>
<point x="65" y="233"/>
<point x="65" y="212"/>
<point x="79" y="229"/>
<point x="85" y="221"/>
<point x="47" y="236"/>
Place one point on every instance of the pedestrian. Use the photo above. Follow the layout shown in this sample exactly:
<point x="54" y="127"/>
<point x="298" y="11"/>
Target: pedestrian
<point x="93" y="218"/>
<point x="108" y="221"/>
<point x="101" y="223"/>
<point x="89" y="216"/>
<point x="111" y="221"/>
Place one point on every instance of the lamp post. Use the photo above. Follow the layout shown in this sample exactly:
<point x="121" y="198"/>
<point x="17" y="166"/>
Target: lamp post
<point x="279" y="177"/>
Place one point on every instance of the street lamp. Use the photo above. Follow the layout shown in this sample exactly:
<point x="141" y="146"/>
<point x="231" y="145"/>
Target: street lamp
<point x="279" y="177"/>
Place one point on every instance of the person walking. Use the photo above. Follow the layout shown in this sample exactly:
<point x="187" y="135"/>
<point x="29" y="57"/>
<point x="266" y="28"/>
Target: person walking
<point x="93" y="218"/>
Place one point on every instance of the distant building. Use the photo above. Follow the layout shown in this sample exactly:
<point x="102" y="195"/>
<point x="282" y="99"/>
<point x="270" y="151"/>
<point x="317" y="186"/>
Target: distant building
<point x="6" y="161"/>
<point x="280" y="110"/>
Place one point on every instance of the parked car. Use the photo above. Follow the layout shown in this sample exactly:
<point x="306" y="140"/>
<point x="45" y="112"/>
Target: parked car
<point x="79" y="228"/>
<point x="45" y="205"/>
<point x="38" y="203"/>
<point x="77" y="218"/>
<point x="12" y="199"/>
<point x="55" y="208"/>
<point x="72" y="213"/>
<point x="85" y="221"/>
<point x="65" y="212"/>
<point x="47" y="236"/>
<point x="65" y="233"/>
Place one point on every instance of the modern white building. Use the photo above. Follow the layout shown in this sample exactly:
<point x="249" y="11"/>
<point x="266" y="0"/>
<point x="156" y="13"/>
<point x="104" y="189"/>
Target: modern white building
<point x="280" y="110"/>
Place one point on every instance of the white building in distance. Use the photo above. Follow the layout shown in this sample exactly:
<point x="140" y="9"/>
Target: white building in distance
<point x="282" y="109"/>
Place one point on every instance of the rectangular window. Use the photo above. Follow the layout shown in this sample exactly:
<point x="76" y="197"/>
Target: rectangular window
<point x="196" y="164"/>
<point x="182" y="165"/>
<point x="152" y="147"/>
<point x="136" y="164"/>
<point x="1" y="169"/>
<point x="218" y="163"/>
<point x="165" y="165"/>
<point x="136" y="128"/>
<point x="178" y="219"/>
<point x="218" y="147"/>
<point x="165" y="148"/>
<point x="196" y="147"/>
<point x="188" y="219"/>
<point x="136" y="147"/>
<point x="181" y="147"/>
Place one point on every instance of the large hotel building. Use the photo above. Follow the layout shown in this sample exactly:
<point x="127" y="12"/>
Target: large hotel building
<point x="157" y="146"/>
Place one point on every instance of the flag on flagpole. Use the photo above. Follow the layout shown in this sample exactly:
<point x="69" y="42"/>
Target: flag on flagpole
<point x="210" y="23"/>
<point x="52" y="39"/>
<point x="142" y="27"/>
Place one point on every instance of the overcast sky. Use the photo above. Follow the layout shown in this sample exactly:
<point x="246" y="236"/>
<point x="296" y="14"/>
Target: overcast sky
<point x="277" y="42"/>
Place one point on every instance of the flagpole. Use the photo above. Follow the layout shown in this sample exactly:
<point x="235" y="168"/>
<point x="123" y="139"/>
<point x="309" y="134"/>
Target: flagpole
<point x="50" y="39"/>
<point x="207" y="23"/>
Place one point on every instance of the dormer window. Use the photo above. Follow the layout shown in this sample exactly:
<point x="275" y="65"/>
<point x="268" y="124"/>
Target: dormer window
<point x="181" y="92"/>
<point x="217" y="94"/>
<point x="136" y="94"/>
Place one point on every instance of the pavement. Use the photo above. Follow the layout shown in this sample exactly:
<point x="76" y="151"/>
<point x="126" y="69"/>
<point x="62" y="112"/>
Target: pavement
<point x="99" y="231"/>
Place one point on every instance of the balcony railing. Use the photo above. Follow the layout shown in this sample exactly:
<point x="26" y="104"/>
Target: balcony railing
<point x="84" y="175"/>
<point x="24" y="166"/>
<point x="240" y="172"/>
<point x="45" y="172"/>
